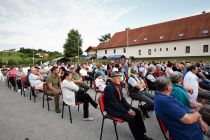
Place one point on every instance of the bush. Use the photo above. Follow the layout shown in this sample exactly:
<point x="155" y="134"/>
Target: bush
<point x="1" y="63"/>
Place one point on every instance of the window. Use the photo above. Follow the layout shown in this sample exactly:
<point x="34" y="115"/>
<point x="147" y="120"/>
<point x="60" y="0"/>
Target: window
<point x="105" y="51"/>
<point x="205" y="48"/>
<point x="166" y="49"/>
<point x="174" y="48"/>
<point x="160" y="49"/>
<point x="145" y="39"/>
<point x="114" y="51"/>
<point x="155" y="50"/>
<point x="161" y="37"/>
<point x="139" y="52"/>
<point x="149" y="51"/>
<point x="124" y="50"/>
<point x="187" y="49"/>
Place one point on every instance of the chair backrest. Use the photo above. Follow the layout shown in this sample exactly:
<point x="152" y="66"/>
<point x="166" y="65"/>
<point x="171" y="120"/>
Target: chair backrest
<point x="22" y="80"/>
<point x="101" y="103"/>
<point x="164" y="129"/>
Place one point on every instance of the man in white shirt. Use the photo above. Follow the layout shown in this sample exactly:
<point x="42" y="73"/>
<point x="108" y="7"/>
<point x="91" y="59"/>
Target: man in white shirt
<point x="191" y="81"/>
<point x="35" y="80"/>
<point x="83" y="72"/>
<point x="137" y="92"/>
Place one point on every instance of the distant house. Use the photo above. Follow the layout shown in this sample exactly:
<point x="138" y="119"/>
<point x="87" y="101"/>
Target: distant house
<point x="42" y="54"/>
<point x="185" y="37"/>
<point x="9" y="51"/>
<point x="91" y="52"/>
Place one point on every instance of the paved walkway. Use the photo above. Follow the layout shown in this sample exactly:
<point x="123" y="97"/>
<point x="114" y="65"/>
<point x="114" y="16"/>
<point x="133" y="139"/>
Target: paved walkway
<point x="21" y="118"/>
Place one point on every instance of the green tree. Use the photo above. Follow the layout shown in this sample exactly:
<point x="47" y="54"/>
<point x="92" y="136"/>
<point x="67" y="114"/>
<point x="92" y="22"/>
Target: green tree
<point x="105" y="38"/>
<point x="1" y="62"/>
<point x="73" y="41"/>
<point x="11" y="62"/>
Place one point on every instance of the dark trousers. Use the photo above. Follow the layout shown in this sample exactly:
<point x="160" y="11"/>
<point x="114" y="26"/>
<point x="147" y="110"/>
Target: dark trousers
<point x="89" y="78"/>
<point x="12" y="81"/>
<point x="85" y="99"/>
<point x="205" y="95"/>
<point x="146" y="97"/>
<point x="19" y="84"/>
<point x="136" y="124"/>
<point x="205" y="112"/>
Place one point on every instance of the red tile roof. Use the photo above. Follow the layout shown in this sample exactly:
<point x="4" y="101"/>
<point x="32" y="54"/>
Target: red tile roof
<point x="90" y="48"/>
<point x="190" y="27"/>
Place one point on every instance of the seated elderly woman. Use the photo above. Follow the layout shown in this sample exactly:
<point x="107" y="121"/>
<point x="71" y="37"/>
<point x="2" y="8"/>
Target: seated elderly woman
<point x="72" y="93"/>
<point x="183" y="95"/>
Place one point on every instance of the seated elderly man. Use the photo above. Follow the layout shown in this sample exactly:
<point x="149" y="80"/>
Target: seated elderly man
<point x="180" y="121"/>
<point x="35" y="79"/>
<point x="137" y="91"/>
<point x="151" y="78"/>
<point x="117" y="106"/>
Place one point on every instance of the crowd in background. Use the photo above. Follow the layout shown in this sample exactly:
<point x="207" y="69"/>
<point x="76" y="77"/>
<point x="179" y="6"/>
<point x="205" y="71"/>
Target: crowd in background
<point x="182" y="90"/>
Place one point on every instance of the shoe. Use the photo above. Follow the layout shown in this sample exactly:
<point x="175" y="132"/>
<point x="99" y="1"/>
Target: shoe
<point x="57" y="110"/>
<point x="34" y="95"/>
<point x="88" y="119"/>
<point x="18" y="90"/>
<point x="147" y="138"/>
<point x="144" y="112"/>
<point x="49" y="98"/>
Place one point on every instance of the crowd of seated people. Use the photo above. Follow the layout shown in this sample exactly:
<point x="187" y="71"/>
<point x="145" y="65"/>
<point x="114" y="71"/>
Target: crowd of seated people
<point x="187" y="97"/>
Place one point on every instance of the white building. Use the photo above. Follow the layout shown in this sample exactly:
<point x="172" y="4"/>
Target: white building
<point x="184" y="37"/>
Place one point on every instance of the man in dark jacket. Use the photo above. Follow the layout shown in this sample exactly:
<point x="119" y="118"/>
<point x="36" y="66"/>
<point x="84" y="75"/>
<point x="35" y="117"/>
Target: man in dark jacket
<point x="117" y="106"/>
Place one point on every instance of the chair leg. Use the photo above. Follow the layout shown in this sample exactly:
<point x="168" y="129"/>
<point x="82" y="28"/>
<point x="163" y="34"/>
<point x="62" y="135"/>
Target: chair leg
<point x="70" y="114"/>
<point x="78" y="108"/>
<point x="102" y="126"/>
<point x="115" y="128"/>
<point x="43" y="100"/>
<point x="95" y="96"/>
<point x="30" y="93"/>
<point x="21" y="90"/>
<point x="48" y="104"/>
<point x="62" y="110"/>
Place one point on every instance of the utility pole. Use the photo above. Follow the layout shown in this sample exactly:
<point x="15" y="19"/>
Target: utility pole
<point x="78" y="50"/>
<point x="33" y="57"/>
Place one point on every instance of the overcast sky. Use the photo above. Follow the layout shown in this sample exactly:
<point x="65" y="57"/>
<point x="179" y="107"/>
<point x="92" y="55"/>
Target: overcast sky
<point x="44" y="24"/>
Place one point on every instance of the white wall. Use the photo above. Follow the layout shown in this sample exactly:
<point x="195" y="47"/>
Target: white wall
<point x="196" y="49"/>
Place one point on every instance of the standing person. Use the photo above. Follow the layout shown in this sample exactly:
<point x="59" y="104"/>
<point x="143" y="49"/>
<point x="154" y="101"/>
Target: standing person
<point x="117" y="106"/>
<point x="4" y="72"/>
<point x="180" y="121"/>
<point x="19" y="75"/>
<point x="53" y="86"/>
<point x="69" y="89"/>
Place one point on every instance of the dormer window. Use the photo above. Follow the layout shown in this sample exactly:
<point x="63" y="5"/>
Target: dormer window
<point x="145" y="39"/>
<point x="205" y="31"/>
<point x="161" y="37"/>
<point x="181" y="34"/>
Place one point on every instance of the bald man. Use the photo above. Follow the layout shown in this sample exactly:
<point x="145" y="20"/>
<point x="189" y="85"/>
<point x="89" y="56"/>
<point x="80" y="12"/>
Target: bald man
<point x="35" y="79"/>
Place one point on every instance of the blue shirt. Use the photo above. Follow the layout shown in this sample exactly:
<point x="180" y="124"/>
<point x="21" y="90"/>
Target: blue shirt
<point x="170" y="110"/>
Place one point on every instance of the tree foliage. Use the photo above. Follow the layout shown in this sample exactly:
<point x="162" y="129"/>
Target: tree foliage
<point x="105" y="38"/>
<point x="73" y="41"/>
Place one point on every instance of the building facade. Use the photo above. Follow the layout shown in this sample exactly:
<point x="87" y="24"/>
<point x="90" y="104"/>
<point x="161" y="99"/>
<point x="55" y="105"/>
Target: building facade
<point x="178" y="38"/>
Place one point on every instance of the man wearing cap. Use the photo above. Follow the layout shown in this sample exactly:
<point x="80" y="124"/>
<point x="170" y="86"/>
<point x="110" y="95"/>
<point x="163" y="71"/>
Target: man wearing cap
<point x="117" y="106"/>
